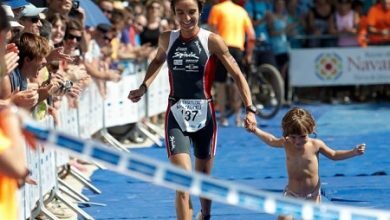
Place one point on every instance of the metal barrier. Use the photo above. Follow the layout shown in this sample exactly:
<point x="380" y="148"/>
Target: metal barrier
<point x="93" y="114"/>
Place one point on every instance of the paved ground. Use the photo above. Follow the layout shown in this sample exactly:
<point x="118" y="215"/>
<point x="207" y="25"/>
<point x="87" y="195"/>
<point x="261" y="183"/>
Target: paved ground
<point x="242" y="158"/>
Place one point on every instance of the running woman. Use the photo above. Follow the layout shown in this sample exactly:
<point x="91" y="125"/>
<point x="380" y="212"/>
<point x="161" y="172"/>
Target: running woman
<point x="191" y="53"/>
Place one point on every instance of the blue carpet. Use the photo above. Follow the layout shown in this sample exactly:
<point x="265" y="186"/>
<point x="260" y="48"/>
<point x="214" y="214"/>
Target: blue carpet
<point x="243" y="158"/>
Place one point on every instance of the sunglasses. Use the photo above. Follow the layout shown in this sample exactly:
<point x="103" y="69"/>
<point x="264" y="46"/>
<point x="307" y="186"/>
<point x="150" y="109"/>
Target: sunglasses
<point x="108" y="38"/>
<point x="107" y="11"/>
<point x="71" y="37"/>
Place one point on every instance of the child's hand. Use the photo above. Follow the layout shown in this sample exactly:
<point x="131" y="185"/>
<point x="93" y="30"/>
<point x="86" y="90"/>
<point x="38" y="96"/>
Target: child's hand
<point x="359" y="149"/>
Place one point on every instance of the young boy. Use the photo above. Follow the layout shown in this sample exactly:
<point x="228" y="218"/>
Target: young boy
<point x="302" y="153"/>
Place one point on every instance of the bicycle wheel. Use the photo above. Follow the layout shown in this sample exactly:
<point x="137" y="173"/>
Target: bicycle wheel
<point x="267" y="91"/>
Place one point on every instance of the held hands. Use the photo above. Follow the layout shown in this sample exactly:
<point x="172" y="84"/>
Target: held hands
<point x="359" y="149"/>
<point x="250" y="122"/>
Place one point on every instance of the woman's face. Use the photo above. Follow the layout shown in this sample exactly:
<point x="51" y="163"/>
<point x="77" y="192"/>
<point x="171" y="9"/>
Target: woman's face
<point x="344" y="8"/>
<point x="279" y="5"/>
<point x="154" y="10"/>
<point x="187" y="14"/>
<point x="72" y="40"/>
<point x="58" y="32"/>
<point x="386" y="4"/>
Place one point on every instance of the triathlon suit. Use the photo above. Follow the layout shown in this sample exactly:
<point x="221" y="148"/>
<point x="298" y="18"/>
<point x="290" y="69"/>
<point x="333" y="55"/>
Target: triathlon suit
<point x="190" y="116"/>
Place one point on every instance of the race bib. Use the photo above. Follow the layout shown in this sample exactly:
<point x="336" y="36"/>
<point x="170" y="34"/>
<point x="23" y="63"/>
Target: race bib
<point x="190" y="114"/>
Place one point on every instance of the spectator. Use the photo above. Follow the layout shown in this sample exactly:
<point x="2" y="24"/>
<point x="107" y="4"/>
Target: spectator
<point x="63" y="7"/>
<point x="14" y="24"/>
<point x="13" y="170"/>
<point x="277" y="27"/>
<point x="357" y="5"/>
<point x="107" y="7"/>
<point x="16" y="5"/>
<point x="152" y="29"/>
<point x="11" y="53"/>
<point x="75" y="70"/>
<point x="30" y="18"/>
<point x="140" y="22"/>
<point x="58" y="23"/>
<point x="295" y="24"/>
<point x="234" y="30"/>
<point x="318" y="24"/>
<point x="94" y="58"/>
<point x="33" y="50"/>
<point x="258" y="11"/>
<point x="344" y="24"/>
<point x="378" y="23"/>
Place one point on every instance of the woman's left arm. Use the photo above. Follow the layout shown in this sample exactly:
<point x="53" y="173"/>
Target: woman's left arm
<point x="218" y="47"/>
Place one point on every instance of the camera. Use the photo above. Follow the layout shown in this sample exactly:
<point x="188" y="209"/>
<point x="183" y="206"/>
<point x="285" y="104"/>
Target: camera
<point x="75" y="4"/>
<point x="66" y="86"/>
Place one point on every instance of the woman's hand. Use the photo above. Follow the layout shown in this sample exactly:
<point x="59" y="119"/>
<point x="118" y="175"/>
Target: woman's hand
<point x="136" y="95"/>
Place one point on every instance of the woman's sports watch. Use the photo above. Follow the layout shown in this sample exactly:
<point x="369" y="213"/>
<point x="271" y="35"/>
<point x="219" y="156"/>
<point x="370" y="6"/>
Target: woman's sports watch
<point x="251" y="108"/>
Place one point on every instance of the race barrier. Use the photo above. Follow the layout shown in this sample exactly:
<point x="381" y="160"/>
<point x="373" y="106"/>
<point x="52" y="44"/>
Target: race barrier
<point x="169" y="176"/>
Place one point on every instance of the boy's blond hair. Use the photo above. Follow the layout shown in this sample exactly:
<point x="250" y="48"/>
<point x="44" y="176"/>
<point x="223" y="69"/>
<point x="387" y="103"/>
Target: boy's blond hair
<point x="298" y="121"/>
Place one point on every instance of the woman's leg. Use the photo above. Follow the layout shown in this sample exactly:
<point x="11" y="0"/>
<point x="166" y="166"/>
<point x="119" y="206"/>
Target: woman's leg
<point x="205" y="166"/>
<point x="184" y="209"/>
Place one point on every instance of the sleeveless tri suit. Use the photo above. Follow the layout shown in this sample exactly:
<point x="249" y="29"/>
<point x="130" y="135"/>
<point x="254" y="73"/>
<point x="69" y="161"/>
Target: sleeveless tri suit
<point x="190" y="116"/>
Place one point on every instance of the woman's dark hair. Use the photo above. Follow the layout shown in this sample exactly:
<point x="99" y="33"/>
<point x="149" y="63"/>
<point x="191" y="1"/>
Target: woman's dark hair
<point x="199" y="2"/>
<point x="73" y="24"/>
<point x="4" y="24"/>
<point x="55" y="17"/>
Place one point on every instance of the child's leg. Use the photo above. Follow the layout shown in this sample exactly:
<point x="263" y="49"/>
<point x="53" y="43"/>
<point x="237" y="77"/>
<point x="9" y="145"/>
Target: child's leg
<point x="285" y="218"/>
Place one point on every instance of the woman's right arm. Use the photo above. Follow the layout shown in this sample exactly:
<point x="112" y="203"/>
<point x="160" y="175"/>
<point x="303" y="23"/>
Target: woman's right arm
<point x="153" y="68"/>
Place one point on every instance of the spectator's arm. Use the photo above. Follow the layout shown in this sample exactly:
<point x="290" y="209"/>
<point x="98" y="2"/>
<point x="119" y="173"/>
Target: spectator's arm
<point x="12" y="158"/>
<point x="5" y="87"/>
<point x="92" y="70"/>
<point x="332" y="25"/>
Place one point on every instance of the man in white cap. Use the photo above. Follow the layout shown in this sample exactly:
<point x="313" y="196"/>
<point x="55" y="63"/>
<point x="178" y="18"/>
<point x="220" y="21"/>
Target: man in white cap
<point x="31" y="17"/>
<point x="16" y="5"/>
<point x="15" y="25"/>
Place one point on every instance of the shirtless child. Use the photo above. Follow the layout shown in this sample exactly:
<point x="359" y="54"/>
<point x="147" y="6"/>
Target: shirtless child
<point x="302" y="154"/>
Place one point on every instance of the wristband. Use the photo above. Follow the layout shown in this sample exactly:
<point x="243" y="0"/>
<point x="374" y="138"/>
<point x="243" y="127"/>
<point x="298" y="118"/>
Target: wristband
<point x="251" y="108"/>
<point x="143" y="85"/>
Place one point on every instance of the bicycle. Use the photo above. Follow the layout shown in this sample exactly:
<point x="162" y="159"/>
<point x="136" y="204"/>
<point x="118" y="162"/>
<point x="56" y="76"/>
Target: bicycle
<point x="267" y="88"/>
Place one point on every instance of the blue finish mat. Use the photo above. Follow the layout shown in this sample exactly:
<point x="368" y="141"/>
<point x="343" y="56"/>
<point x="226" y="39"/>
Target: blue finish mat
<point x="241" y="157"/>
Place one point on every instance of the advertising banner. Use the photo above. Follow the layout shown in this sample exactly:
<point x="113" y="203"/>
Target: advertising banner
<point x="339" y="66"/>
